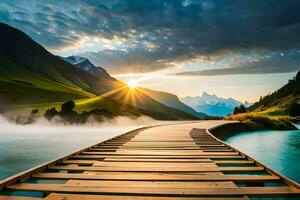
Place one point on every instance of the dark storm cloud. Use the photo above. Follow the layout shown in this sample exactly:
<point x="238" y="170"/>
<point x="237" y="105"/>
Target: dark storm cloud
<point x="179" y="30"/>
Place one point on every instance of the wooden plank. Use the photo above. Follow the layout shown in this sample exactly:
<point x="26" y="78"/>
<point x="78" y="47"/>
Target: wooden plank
<point x="124" y="148"/>
<point x="151" y="157"/>
<point x="161" y="147"/>
<point x="196" y="160"/>
<point x="157" y="169"/>
<point x="147" y="173"/>
<point x="217" y="150"/>
<point x="148" y="164"/>
<point x="139" y="169"/>
<point x="233" y="161"/>
<point x="162" y="153"/>
<point x="171" y="144"/>
<point x="177" y="161"/>
<point x="55" y="196"/>
<point x="91" y="162"/>
<point x="249" y="191"/>
<point x="158" y="176"/>
<point x="153" y="184"/>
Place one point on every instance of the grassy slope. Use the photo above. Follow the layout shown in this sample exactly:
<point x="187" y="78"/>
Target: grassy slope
<point x="274" y="116"/>
<point x="115" y="107"/>
<point x="272" y="111"/>
<point x="278" y="110"/>
<point x="19" y="49"/>
<point x="279" y="102"/>
<point x="19" y="86"/>
<point x="280" y="107"/>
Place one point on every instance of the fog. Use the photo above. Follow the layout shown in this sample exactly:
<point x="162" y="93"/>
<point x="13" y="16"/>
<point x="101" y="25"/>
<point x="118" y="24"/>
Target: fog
<point x="25" y="146"/>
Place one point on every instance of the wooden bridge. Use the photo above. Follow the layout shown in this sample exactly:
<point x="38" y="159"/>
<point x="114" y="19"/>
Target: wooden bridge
<point x="177" y="162"/>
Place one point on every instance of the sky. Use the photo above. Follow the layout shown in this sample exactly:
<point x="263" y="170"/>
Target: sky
<point x="232" y="48"/>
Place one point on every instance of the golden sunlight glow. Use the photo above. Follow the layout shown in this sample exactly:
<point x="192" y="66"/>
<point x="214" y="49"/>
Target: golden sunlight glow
<point x="132" y="84"/>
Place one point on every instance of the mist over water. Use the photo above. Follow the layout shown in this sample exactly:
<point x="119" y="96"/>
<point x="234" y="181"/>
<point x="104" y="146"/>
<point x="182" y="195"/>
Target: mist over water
<point x="25" y="146"/>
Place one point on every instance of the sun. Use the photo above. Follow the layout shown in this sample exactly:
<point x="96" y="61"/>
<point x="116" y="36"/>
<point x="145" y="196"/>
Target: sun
<point x="132" y="84"/>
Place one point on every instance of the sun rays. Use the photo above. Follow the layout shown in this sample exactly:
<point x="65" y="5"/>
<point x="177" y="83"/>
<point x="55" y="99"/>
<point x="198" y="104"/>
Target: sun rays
<point x="132" y="84"/>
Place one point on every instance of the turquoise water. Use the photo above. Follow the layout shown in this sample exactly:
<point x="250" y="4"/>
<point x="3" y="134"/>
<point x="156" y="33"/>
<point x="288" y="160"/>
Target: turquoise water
<point x="279" y="150"/>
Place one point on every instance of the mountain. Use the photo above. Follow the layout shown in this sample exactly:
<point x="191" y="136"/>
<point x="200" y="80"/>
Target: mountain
<point x="142" y="99"/>
<point x="211" y="104"/>
<point x="279" y="102"/>
<point x="172" y="100"/>
<point x="30" y="75"/>
<point x="85" y="65"/>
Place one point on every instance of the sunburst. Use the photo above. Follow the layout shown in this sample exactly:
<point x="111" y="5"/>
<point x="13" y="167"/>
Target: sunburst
<point x="132" y="84"/>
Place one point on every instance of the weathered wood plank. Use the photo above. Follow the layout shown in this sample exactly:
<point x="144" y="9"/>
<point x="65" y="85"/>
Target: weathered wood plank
<point x="251" y="191"/>
<point x="195" y="147"/>
<point x="177" y="161"/>
<point x="156" y="156"/>
<point x="233" y="161"/>
<point x="140" y="169"/>
<point x="161" y="153"/>
<point x="153" y="184"/>
<point x="171" y="161"/>
<point x="157" y="169"/>
<point x="148" y="164"/>
<point x="54" y="196"/>
<point x="158" y="176"/>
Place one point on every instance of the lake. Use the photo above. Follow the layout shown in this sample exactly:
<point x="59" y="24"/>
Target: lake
<point x="279" y="150"/>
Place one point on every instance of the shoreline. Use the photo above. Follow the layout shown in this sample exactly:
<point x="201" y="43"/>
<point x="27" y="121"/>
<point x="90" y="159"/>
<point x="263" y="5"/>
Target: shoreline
<point x="225" y="131"/>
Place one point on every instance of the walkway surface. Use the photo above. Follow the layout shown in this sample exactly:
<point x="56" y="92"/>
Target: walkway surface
<point x="179" y="161"/>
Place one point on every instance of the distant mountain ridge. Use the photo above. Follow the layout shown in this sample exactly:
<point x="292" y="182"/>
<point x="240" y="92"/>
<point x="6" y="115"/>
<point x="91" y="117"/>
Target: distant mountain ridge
<point x="173" y="101"/>
<point x="211" y="104"/>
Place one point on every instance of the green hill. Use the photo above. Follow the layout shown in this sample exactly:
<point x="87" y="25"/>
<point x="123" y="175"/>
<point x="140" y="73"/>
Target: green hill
<point x="30" y="74"/>
<point x="273" y="112"/>
<point x="279" y="102"/>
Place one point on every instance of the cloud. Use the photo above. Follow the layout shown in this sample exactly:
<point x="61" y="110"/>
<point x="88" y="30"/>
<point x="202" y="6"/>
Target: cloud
<point x="275" y="62"/>
<point x="157" y="33"/>
<point x="240" y="70"/>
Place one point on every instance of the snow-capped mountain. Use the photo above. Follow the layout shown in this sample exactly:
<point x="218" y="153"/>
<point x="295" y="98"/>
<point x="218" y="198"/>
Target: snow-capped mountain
<point x="86" y="65"/>
<point x="212" y="104"/>
<point x="74" y="59"/>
